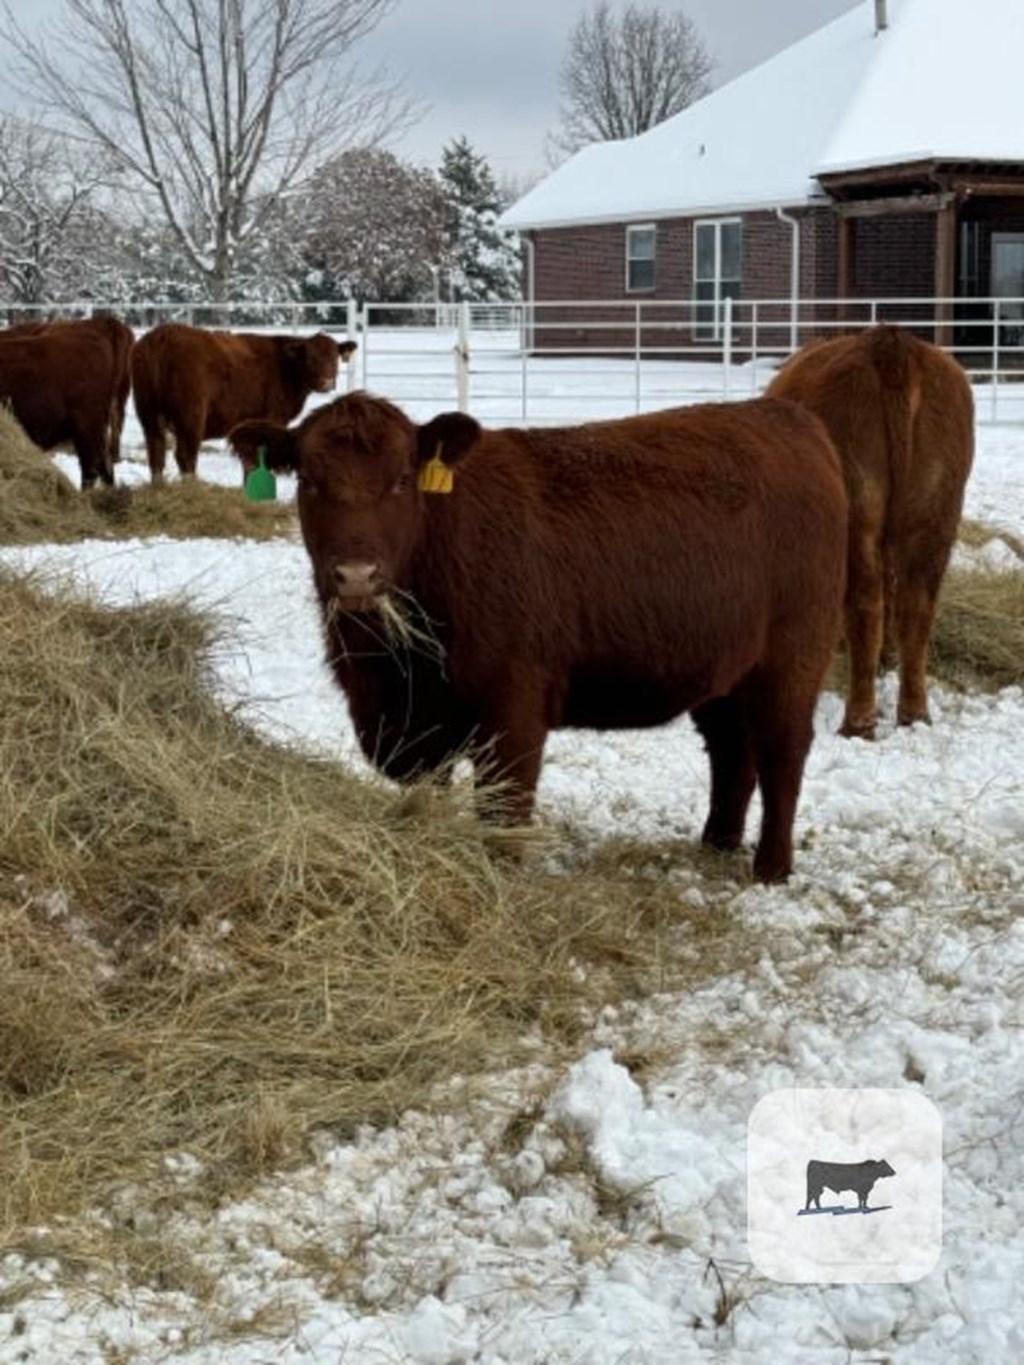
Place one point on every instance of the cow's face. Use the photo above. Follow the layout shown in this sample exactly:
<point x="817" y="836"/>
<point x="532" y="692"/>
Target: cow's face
<point x="882" y="1168"/>
<point x="361" y="509"/>
<point x="320" y="354"/>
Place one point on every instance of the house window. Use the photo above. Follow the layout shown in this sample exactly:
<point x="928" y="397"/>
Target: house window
<point x="717" y="270"/>
<point x="640" y="244"/>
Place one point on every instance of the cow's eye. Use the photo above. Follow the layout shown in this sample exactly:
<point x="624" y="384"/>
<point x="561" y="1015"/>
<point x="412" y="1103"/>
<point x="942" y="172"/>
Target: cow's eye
<point x="401" y="484"/>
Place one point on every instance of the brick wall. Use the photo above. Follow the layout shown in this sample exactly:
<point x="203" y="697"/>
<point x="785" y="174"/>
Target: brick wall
<point x="590" y="263"/>
<point x="892" y="257"/>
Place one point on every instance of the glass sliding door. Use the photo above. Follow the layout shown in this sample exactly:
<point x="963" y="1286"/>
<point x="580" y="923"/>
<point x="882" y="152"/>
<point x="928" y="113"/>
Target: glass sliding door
<point x="1007" y="283"/>
<point x="717" y="272"/>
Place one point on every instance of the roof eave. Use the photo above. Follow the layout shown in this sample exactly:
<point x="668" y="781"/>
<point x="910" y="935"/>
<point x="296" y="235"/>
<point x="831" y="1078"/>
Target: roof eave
<point x="768" y="204"/>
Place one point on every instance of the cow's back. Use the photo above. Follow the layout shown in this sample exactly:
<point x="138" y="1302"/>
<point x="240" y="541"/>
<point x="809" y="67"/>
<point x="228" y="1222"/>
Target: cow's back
<point x="650" y="561"/>
<point x="205" y="382"/>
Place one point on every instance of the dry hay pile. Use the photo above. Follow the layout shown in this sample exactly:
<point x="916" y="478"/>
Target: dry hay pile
<point x="212" y="944"/>
<point x="978" y="639"/>
<point x="37" y="501"/>
<point x="39" y="504"/>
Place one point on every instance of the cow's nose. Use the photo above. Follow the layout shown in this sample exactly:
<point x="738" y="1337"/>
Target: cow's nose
<point x="357" y="578"/>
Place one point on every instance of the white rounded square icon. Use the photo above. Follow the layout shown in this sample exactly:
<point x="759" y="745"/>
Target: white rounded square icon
<point x="844" y="1186"/>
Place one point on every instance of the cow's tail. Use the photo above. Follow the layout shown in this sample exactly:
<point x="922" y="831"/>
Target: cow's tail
<point x="900" y="390"/>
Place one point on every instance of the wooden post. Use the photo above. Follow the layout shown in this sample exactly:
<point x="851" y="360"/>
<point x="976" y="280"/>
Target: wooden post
<point x="945" y="272"/>
<point x="846" y="259"/>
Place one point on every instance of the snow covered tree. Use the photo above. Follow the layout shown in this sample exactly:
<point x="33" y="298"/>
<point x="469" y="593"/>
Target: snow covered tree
<point x="374" y="228"/>
<point x="53" y="232"/>
<point x="624" y="73"/>
<point x="482" y="259"/>
<point x="214" y="109"/>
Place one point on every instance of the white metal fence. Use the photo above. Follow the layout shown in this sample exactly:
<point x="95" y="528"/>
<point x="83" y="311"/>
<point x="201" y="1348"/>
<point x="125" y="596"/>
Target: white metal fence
<point x="572" y="360"/>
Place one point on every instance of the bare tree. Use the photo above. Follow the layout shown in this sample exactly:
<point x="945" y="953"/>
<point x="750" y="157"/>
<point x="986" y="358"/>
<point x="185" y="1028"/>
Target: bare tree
<point x="52" y="229"/>
<point x="215" y="109"/>
<point x="624" y="73"/>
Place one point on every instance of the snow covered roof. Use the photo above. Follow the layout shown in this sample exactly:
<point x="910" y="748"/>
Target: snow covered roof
<point x="943" y="82"/>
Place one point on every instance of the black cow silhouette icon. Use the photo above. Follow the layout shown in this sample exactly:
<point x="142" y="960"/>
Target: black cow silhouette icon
<point x="837" y="1176"/>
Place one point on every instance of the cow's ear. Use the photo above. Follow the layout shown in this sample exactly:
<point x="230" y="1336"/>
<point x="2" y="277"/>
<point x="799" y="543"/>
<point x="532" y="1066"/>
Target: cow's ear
<point x="277" y="443"/>
<point x="347" y="348"/>
<point x="449" y="437"/>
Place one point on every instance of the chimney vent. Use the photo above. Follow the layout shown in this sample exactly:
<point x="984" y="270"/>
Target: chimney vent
<point x="881" y="18"/>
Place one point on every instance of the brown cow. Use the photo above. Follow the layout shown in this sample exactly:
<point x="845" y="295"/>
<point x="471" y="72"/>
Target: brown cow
<point x="901" y="415"/>
<point x="110" y="331"/>
<point x="67" y="382"/>
<point x="199" y="384"/>
<point x="609" y="575"/>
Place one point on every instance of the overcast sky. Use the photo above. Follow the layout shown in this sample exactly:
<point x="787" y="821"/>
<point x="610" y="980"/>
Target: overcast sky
<point x="488" y="69"/>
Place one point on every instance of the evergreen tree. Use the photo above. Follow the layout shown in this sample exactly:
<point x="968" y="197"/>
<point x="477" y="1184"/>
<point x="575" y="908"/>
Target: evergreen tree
<point x="483" y="259"/>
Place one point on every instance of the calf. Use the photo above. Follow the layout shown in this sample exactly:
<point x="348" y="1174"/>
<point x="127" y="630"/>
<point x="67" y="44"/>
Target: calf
<point x="902" y="417"/>
<point x="199" y="384"/>
<point x="609" y="575"/>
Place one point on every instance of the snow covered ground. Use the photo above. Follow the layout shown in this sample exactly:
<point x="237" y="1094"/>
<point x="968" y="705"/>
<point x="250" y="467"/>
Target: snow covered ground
<point x="614" y="1228"/>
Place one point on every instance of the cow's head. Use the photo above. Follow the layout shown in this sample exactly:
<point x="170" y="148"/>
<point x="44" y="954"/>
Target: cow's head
<point x="315" y="361"/>
<point x="882" y="1168"/>
<point x="359" y="463"/>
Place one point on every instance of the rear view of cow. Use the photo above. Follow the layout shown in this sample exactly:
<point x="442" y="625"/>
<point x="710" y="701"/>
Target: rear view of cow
<point x="901" y="414"/>
<point x="198" y="384"/>
<point x="611" y="575"/>
<point x="67" y="383"/>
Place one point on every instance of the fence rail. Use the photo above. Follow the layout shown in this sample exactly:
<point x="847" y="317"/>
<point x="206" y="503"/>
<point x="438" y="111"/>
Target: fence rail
<point x="569" y="360"/>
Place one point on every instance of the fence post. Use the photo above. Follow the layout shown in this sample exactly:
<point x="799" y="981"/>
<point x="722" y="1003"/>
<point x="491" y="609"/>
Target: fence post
<point x="353" y="334"/>
<point x="753" y="348"/>
<point x="636" y="357"/>
<point x="727" y="347"/>
<point x="995" y="360"/>
<point x="462" y="358"/>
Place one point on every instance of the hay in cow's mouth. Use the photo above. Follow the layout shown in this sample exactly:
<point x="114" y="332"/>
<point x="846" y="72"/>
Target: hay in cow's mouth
<point x="403" y="624"/>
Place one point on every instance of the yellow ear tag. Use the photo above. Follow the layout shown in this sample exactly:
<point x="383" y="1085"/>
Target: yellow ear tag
<point x="435" y="476"/>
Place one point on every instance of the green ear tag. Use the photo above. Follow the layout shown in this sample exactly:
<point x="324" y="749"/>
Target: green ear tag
<point x="261" y="482"/>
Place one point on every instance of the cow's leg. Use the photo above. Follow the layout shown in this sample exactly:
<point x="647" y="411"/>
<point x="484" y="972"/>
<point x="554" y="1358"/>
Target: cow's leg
<point x="117" y="410"/>
<point x="188" y="436"/>
<point x="514" y="726"/>
<point x="155" y="431"/>
<point x="93" y="459"/>
<point x="865" y="626"/>
<point x="921" y="572"/>
<point x="781" y="726"/>
<point x="723" y="727"/>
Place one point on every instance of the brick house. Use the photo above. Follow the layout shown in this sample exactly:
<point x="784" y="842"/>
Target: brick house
<point x="880" y="157"/>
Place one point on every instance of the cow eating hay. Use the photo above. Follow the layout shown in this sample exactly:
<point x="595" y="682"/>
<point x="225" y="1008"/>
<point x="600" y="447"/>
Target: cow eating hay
<point x="611" y="575"/>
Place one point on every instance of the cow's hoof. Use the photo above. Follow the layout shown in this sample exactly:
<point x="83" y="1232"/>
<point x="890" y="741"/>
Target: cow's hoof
<point x="771" y="870"/>
<point x="913" y="717"/>
<point x="852" y="728"/>
<point x="722" y="841"/>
